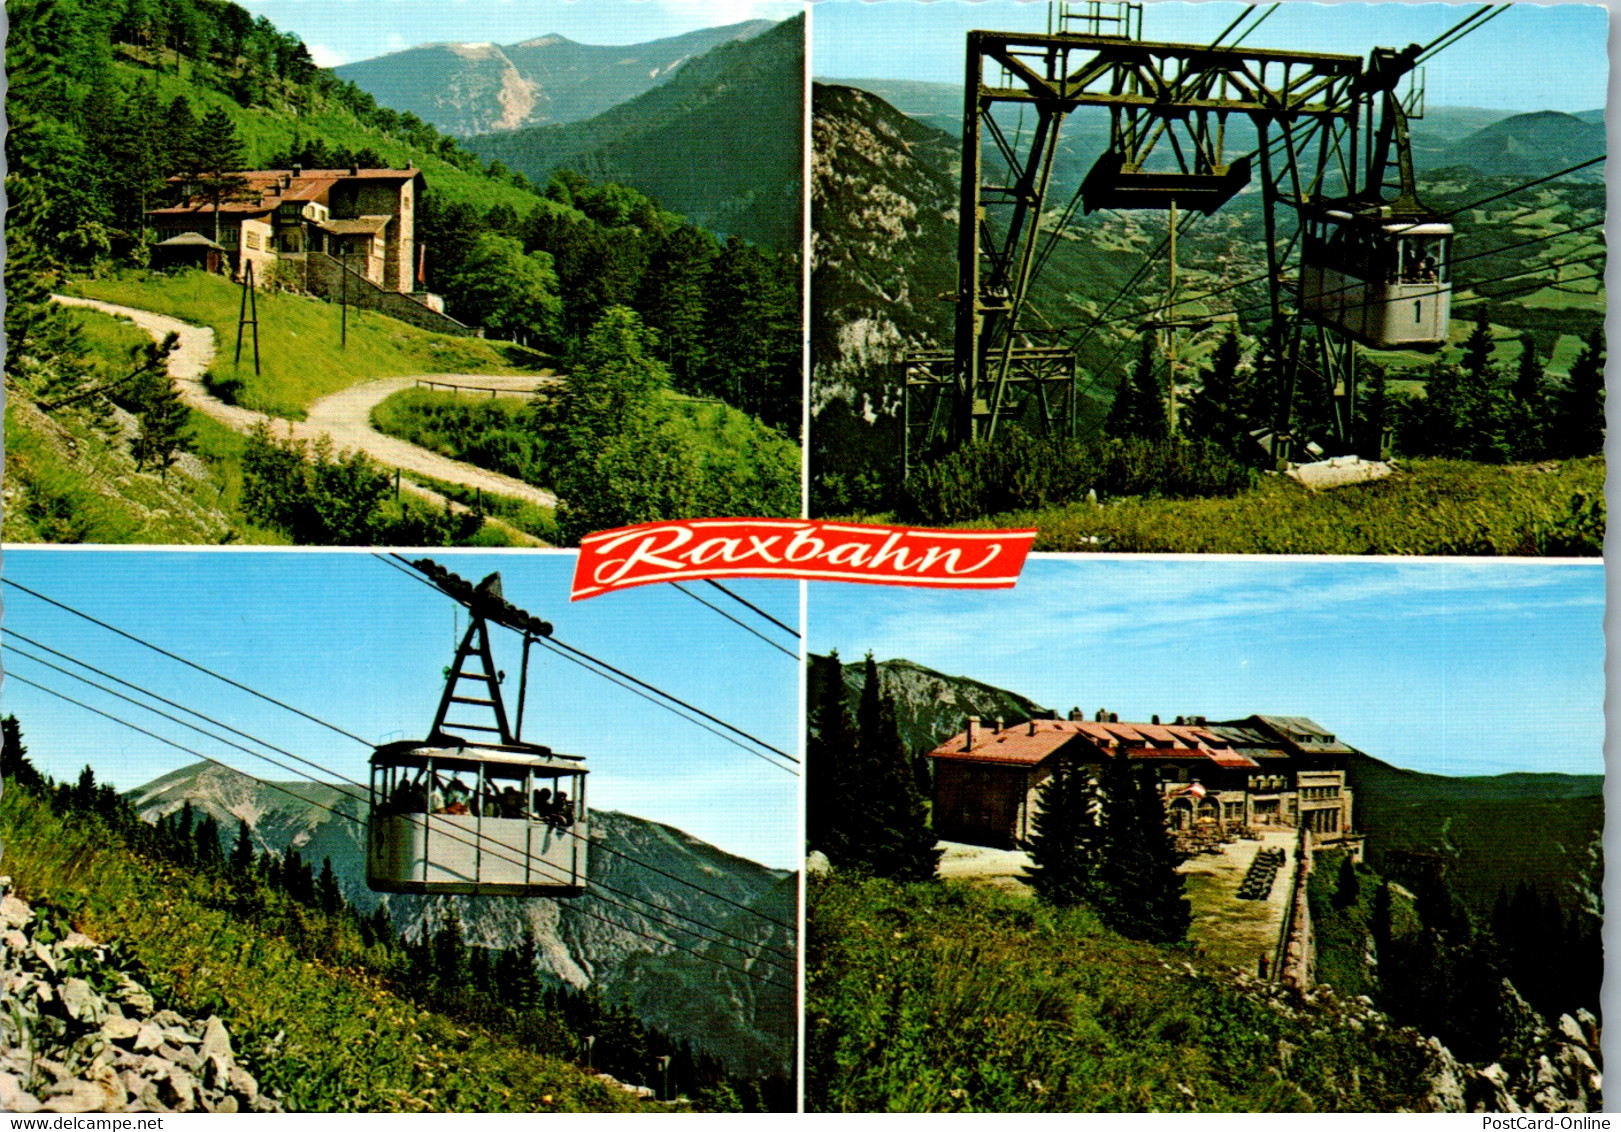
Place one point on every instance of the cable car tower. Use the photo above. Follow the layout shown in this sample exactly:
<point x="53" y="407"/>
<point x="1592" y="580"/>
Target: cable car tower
<point x="1322" y="121"/>
<point x="474" y="809"/>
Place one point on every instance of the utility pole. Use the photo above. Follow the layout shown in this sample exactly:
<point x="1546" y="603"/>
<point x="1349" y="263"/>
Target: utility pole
<point x="1170" y="352"/>
<point x="249" y="296"/>
<point x="343" y="303"/>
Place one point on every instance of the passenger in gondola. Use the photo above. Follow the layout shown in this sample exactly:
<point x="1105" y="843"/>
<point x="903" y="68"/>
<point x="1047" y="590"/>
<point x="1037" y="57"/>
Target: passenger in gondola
<point x="543" y="804"/>
<point x="436" y="796"/>
<point x="512" y="803"/>
<point x="456" y="797"/>
<point x="409" y="796"/>
<point x="562" y="815"/>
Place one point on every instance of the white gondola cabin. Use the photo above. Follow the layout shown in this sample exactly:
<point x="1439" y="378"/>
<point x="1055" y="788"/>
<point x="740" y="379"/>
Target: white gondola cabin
<point x="1382" y="280"/>
<point x="480" y="821"/>
<point x="464" y="815"/>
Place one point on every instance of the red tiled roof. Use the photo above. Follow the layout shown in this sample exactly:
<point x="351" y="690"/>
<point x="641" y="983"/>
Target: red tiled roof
<point x="1023" y="744"/>
<point x="1028" y="744"/>
<point x="309" y="185"/>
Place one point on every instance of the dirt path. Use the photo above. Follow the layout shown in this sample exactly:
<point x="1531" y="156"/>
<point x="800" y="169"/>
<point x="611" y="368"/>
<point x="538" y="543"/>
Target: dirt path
<point x="345" y="416"/>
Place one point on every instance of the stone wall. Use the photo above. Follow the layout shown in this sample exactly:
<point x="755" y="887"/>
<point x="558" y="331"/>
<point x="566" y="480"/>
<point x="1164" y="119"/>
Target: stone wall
<point x="1297" y="963"/>
<point x="324" y="277"/>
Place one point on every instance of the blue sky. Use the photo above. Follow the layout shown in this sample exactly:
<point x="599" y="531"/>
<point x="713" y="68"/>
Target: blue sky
<point x="346" y="31"/>
<point x="1444" y="666"/>
<point x="352" y="641"/>
<point x="1531" y="57"/>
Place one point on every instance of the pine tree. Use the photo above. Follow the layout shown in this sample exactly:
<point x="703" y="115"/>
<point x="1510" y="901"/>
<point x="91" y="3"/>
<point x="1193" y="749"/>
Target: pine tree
<point x="1530" y="403"/>
<point x="1213" y="411"/>
<point x="1373" y="413"/>
<point x="214" y="161"/>
<point x="672" y="298"/>
<point x="1577" y="427"/>
<point x="206" y="839"/>
<point x="1478" y="410"/>
<point x="14" y="763"/>
<point x="885" y="819"/>
<point x="871" y="816"/>
<point x="329" y="894"/>
<point x="1064" y="836"/>
<point x="162" y="421"/>
<point x="178" y="135"/>
<point x="1139" y="406"/>
<point x="751" y="348"/>
<point x="382" y="924"/>
<point x="1140" y="889"/>
<point x="242" y="854"/>
<point x="450" y="950"/>
<point x="829" y="750"/>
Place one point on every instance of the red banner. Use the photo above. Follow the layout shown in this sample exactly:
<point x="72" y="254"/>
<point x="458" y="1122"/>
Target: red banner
<point x="809" y="549"/>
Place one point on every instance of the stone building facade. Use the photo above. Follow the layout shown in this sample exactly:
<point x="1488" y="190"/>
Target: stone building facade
<point x="1220" y="777"/>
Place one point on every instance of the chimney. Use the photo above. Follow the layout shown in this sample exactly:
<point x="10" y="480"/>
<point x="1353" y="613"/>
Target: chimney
<point x="1032" y="727"/>
<point x="1114" y="717"/>
<point x="354" y="170"/>
<point x="999" y="725"/>
<point x="1101" y="717"/>
<point x="1076" y="715"/>
<point x="298" y="170"/>
<point x="973" y="727"/>
<point x="1155" y="720"/>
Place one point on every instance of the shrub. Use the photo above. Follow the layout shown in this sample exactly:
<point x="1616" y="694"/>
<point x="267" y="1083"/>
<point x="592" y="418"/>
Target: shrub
<point x="1015" y="471"/>
<point x="1173" y="469"/>
<point x="324" y="498"/>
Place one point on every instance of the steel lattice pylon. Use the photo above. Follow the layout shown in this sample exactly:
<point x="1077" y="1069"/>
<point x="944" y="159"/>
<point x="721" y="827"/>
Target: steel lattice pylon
<point x="1329" y="129"/>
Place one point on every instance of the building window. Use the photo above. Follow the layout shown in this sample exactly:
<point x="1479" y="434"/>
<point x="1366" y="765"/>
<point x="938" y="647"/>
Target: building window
<point x="253" y="241"/>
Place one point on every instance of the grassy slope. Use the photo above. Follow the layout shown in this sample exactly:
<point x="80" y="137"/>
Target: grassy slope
<point x="954" y="997"/>
<point x="68" y="482"/>
<point x="301" y="360"/>
<point x="1341" y="933"/>
<point x="350" y="1044"/>
<point x="1430" y="507"/>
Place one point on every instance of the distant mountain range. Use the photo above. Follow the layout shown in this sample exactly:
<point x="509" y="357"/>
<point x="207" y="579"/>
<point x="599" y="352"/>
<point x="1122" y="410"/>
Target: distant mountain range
<point x="587" y="941"/>
<point x="1493" y="831"/>
<point x="1493" y="142"/>
<point x="1530" y="146"/>
<point x="474" y="88"/>
<point x="721" y="142"/>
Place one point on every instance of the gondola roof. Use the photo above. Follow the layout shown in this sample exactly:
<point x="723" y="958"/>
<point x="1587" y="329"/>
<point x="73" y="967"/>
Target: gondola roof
<point x="414" y="752"/>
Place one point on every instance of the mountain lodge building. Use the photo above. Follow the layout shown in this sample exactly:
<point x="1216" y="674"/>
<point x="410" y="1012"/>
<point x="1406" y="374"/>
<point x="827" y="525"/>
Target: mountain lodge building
<point x="345" y="232"/>
<point x="1265" y="770"/>
<point x="366" y="215"/>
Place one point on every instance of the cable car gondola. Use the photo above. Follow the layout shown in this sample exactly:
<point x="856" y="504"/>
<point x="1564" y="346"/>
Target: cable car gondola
<point x="1381" y="279"/>
<point x="466" y="815"/>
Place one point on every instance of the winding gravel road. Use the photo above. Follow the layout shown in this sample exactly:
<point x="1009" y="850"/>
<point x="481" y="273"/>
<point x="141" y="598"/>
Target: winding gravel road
<point x="344" y="416"/>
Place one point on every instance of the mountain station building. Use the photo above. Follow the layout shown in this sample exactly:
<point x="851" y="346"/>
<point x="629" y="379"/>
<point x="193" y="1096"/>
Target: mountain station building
<point x="1264" y="770"/>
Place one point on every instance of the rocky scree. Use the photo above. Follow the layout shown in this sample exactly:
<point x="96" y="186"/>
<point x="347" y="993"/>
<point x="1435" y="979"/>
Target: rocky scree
<point x="79" y="1034"/>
